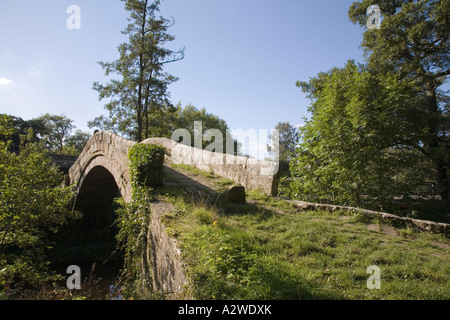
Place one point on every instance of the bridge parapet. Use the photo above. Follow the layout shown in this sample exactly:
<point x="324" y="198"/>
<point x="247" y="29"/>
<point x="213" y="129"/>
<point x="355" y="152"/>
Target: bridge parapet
<point x="110" y="151"/>
<point x="251" y="173"/>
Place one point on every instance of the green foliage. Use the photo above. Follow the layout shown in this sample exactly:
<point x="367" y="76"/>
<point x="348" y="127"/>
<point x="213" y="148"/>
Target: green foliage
<point x="32" y="206"/>
<point x="380" y="130"/>
<point x="57" y="130"/>
<point x="413" y="38"/>
<point x="413" y="44"/>
<point x="75" y="143"/>
<point x="141" y="91"/>
<point x="288" y="140"/>
<point x="258" y="252"/>
<point x="184" y="118"/>
<point x="133" y="221"/>
<point x="53" y="131"/>
<point x="6" y="127"/>
<point x="146" y="165"/>
<point x="352" y="150"/>
<point x="22" y="131"/>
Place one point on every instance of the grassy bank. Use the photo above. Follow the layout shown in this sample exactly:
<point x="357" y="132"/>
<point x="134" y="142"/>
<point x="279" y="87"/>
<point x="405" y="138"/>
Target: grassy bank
<point x="266" y="249"/>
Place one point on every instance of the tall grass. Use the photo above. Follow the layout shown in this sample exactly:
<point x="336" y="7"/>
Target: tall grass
<point x="268" y="250"/>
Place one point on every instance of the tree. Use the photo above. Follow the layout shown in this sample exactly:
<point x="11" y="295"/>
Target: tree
<point x="381" y="129"/>
<point x="33" y="130"/>
<point x="57" y="130"/>
<point x="352" y="150"/>
<point x="413" y="43"/>
<point x="186" y="117"/>
<point x="288" y="139"/>
<point x="142" y="89"/>
<point x="32" y="205"/>
<point x="53" y="131"/>
<point x="75" y="143"/>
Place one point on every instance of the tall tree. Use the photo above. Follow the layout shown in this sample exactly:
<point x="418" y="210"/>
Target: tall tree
<point x="34" y="130"/>
<point x="185" y="118"/>
<point x="143" y="87"/>
<point x="57" y="129"/>
<point x="287" y="142"/>
<point x="413" y="42"/>
<point x="352" y="148"/>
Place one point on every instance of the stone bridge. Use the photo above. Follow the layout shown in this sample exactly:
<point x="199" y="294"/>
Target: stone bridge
<point x="102" y="167"/>
<point x="101" y="173"/>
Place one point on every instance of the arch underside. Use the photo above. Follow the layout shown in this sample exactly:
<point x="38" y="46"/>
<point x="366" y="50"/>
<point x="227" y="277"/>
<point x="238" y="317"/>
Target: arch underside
<point x="115" y="169"/>
<point x="94" y="199"/>
<point x="92" y="237"/>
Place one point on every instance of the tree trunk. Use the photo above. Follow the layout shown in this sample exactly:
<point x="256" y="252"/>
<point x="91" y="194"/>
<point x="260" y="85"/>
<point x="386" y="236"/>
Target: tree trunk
<point x="141" y="74"/>
<point x="434" y="145"/>
<point x="147" y="102"/>
<point x="442" y="178"/>
<point x="139" y="119"/>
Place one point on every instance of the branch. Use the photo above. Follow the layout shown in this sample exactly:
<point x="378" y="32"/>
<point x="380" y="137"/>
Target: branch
<point x="443" y="73"/>
<point x="175" y="58"/>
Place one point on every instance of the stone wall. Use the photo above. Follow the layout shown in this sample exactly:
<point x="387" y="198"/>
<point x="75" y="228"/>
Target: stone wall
<point x="168" y="272"/>
<point x="63" y="162"/>
<point x="251" y="173"/>
<point x="424" y="225"/>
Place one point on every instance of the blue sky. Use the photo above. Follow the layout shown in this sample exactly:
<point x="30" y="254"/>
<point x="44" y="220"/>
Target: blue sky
<point x="243" y="57"/>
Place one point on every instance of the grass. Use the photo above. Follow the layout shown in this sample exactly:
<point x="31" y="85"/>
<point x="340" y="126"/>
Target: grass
<point x="220" y="183"/>
<point x="195" y="171"/>
<point x="266" y="249"/>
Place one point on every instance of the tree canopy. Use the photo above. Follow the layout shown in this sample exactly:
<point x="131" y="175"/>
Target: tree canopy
<point x="380" y="129"/>
<point x="54" y="132"/>
<point x="32" y="206"/>
<point x="141" y="90"/>
<point x="413" y="43"/>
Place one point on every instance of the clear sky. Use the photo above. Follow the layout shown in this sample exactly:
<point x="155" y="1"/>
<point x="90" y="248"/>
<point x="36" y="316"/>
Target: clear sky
<point x="243" y="57"/>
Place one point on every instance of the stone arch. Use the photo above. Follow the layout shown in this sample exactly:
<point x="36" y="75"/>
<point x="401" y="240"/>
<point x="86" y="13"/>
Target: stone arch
<point x="100" y="173"/>
<point x="107" y="150"/>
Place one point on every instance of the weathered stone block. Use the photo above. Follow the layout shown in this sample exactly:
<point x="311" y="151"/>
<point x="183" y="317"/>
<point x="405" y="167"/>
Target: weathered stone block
<point x="236" y="194"/>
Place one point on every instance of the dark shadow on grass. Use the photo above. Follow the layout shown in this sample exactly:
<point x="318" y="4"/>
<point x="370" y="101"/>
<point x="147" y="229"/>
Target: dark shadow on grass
<point x="178" y="180"/>
<point x="273" y="279"/>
